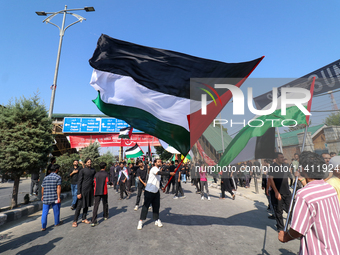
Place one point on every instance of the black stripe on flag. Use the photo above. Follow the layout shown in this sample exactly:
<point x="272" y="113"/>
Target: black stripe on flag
<point x="123" y="129"/>
<point x="165" y="71"/>
<point x="132" y="148"/>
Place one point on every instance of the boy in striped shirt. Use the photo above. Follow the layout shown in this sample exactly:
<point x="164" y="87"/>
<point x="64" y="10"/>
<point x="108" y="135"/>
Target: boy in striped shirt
<point x="316" y="215"/>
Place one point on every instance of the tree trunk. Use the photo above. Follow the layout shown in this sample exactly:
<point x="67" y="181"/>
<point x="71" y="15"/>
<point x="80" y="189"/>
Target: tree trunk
<point x="15" y="192"/>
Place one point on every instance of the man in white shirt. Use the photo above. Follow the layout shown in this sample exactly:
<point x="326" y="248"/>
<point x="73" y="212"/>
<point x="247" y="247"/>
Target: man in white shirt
<point x="152" y="195"/>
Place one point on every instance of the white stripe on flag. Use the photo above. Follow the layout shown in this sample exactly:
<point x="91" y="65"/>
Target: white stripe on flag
<point x="122" y="90"/>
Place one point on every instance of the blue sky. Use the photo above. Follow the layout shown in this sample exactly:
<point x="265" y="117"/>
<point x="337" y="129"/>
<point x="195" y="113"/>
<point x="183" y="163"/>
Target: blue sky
<point x="296" y="37"/>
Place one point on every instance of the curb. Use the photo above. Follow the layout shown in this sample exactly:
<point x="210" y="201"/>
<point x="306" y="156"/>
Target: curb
<point x="26" y="210"/>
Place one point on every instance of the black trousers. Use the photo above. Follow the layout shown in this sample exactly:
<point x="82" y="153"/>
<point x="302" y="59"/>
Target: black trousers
<point x="114" y="181"/>
<point x="154" y="199"/>
<point x="77" y="213"/>
<point x="172" y="182"/>
<point x="179" y="189"/>
<point x="279" y="206"/>
<point x="96" y="205"/>
<point x="197" y="182"/>
<point x="132" y="177"/>
<point x="128" y="184"/>
<point x="122" y="189"/>
<point x="36" y="184"/>
<point x="141" y="187"/>
<point x="241" y="179"/>
<point x="225" y="186"/>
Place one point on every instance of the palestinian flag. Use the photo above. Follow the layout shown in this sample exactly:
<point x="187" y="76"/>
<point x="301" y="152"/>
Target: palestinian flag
<point x="125" y="133"/>
<point x="259" y="142"/>
<point x="168" y="148"/>
<point x="149" y="88"/>
<point x="134" y="152"/>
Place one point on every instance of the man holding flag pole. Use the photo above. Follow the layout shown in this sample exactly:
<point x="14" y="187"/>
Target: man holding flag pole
<point x="316" y="215"/>
<point x="152" y="194"/>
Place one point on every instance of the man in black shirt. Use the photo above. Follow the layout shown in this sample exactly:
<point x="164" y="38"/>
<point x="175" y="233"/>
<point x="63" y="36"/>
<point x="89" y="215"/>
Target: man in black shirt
<point x="225" y="185"/>
<point x="48" y="170"/>
<point x="122" y="178"/>
<point x="280" y="193"/>
<point x="101" y="179"/>
<point x="178" y="181"/>
<point x="117" y="169"/>
<point x="128" y="181"/>
<point x="74" y="171"/>
<point x="141" y="175"/>
<point x="172" y="182"/>
<point x="112" y="175"/>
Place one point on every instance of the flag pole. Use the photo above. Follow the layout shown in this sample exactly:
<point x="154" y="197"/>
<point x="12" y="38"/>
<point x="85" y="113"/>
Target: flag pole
<point x="222" y="134"/>
<point x="174" y="172"/>
<point x="302" y="149"/>
<point x="121" y="151"/>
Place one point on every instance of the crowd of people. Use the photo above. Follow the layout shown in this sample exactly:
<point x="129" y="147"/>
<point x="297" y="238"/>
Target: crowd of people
<point x="88" y="188"/>
<point x="315" y="218"/>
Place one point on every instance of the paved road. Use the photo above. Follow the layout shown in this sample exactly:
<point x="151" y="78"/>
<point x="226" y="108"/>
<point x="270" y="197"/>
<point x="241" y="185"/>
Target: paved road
<point x="191" y="226"/>
<point x="6" y="190"/>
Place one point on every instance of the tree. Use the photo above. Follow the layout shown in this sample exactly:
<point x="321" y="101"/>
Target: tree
<point x="25" y="139"/>
<point x="162" y="153"/>
<point x="333" y="119"/>
<point x="92" y="152"/>
<point x="107" y="158"/>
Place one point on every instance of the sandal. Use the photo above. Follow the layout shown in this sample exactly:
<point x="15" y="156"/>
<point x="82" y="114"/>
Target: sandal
<point x="234" y="197"/>
<point x="86" y="221"/>
<point x="74" y="224"/>
<point x="43" y="229"/>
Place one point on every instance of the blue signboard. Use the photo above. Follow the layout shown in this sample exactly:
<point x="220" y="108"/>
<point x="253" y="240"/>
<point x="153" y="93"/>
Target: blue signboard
<point x="94" y="125"/>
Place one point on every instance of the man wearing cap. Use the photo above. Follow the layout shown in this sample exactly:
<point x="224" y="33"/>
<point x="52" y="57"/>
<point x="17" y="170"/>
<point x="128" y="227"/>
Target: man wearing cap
<point x="316" y="214"/>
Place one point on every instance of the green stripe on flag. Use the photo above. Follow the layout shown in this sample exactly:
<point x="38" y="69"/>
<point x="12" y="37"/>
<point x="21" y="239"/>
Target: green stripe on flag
<point x="246" y="133"/>
<point x="144" y="121"/>
<point x="139" y="153"/>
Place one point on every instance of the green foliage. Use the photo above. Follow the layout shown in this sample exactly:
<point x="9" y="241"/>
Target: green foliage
<point x="163" y="154"/>
<point x="333" y="119"/>
<point x="108" y="158"/>
<point x="25" y="136"/>
<point x="92" y="152"/>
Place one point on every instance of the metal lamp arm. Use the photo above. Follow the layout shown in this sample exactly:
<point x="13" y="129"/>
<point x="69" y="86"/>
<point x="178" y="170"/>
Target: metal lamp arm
<point x="47" y="20"/>
<point x="80" y="19"/>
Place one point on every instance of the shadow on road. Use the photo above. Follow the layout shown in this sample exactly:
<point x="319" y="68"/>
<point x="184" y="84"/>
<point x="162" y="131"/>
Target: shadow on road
<point x="41" y="249"/>
<point x="256" y="218"/>
<point x="114" y="211"/>
<point x="10" y="243"/>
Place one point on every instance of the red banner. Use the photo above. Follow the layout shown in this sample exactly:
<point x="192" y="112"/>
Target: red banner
<point x="206" y="158"/>
<point x="112" y="140"/>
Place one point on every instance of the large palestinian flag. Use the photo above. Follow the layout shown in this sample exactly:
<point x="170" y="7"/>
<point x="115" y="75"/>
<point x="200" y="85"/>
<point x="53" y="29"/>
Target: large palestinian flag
<point x="256" y="141"/>
<point x="149" y="88"/>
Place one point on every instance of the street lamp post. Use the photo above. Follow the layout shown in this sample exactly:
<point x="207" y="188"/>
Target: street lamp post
<point x="61" y="34"/>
